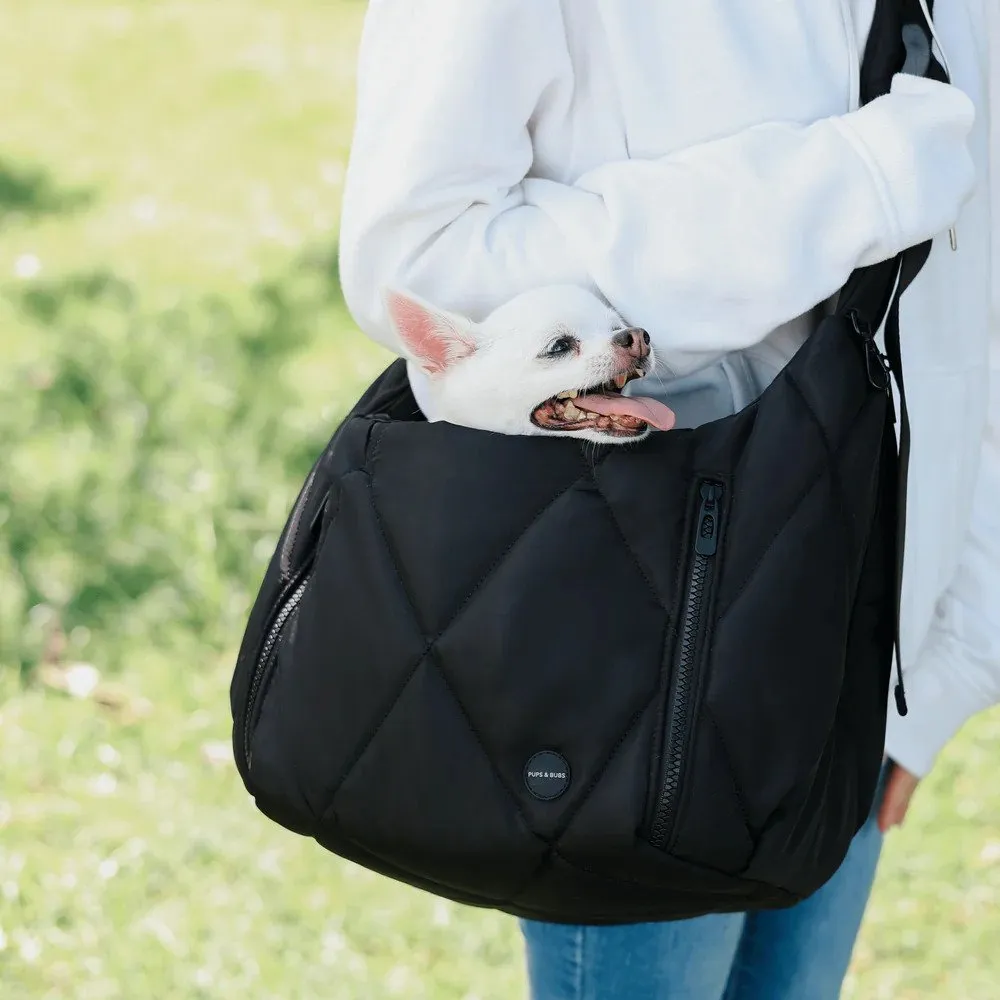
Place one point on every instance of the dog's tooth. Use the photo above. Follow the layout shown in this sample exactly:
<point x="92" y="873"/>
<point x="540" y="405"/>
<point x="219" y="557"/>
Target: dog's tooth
<point x="573" y="393"/>
<point x="571" y="412"/>
<point x="563" y="395"/>
<point x="620" y="381"/>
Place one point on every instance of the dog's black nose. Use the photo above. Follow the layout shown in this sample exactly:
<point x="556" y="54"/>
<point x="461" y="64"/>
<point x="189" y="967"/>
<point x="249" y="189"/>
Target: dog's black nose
<point x="634" y="340"/>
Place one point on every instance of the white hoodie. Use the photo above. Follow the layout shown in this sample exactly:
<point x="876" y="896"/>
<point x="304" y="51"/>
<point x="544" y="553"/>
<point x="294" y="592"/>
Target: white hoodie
<point x="704" y="165"/>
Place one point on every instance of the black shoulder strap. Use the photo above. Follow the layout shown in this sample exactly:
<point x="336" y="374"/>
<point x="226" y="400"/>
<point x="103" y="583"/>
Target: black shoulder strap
<point x="900" y="40"/>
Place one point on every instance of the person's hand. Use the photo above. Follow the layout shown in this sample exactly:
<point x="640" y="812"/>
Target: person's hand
<point x="899" y="789"/>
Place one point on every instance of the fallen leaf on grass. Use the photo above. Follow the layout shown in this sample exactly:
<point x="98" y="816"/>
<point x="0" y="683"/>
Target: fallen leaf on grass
<point x="83" y="680"/>
<point x="127" y="707"/>
<point x="78" y="680"/>
<point x="218" y="753"/>
<point x="990" y="852"/>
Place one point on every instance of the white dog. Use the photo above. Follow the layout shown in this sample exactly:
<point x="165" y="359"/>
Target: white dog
<point x="551" y="361"/>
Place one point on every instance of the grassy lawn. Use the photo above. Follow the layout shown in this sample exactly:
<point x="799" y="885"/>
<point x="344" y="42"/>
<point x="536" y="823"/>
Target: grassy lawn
<point x="174" y="350"/>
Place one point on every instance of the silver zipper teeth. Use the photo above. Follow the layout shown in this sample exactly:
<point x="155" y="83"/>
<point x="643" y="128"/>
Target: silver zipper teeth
<point x="258" y="675"/>
<point x="295" y="524"/>
<point x="707" y="528"/>
<point x="680" y="709"/>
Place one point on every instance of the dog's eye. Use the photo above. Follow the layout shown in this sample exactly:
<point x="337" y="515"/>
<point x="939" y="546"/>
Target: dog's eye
<point x="560" y="346"/>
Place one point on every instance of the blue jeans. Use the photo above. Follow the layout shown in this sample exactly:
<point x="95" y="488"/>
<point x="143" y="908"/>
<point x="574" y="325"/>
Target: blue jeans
<point x="801" y="953"/>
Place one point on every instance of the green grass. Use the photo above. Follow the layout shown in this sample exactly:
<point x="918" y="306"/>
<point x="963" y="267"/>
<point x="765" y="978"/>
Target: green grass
<point x="175" y="349"/>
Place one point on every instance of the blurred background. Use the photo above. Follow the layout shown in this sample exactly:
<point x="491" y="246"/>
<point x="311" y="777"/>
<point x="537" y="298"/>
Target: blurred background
<point x="174" y="351"/>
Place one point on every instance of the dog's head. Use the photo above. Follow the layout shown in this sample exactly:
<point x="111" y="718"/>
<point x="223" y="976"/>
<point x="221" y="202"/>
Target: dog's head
<point x="551" y="361"/>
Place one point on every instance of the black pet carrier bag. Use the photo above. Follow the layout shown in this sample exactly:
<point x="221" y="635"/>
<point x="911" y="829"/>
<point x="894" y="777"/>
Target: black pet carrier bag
<point x="604" y="686"/>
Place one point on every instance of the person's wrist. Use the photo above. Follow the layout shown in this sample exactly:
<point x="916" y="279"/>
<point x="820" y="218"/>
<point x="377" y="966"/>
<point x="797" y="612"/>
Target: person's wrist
<point x="914" y="142"/>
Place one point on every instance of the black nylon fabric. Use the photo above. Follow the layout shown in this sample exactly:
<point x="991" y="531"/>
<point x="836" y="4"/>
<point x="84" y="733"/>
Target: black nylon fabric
<point x="699" y="626"/>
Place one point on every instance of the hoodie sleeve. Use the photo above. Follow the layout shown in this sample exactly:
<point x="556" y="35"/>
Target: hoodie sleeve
<point x="957" y="674"/>
<point x="710" y="249"/>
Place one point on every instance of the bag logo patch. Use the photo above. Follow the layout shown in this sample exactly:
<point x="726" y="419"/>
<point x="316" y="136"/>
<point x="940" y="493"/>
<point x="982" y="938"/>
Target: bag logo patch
<point x="546" y="775"/>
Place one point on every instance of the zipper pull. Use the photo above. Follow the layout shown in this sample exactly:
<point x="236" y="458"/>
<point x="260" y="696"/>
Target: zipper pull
<point x="879" y="367"/>
<point x="707" y="541"/>
<point x="880" y="373"/>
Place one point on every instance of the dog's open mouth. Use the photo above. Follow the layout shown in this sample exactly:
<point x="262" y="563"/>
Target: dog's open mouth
<point x="604" y="408"/>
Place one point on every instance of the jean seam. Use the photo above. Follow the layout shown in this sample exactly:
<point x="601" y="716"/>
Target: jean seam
<point x="736" y="977"/>
<point x="578" y="958"/>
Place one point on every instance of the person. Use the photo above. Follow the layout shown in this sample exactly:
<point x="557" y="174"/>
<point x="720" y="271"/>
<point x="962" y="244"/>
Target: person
<point x="707" y="169"/>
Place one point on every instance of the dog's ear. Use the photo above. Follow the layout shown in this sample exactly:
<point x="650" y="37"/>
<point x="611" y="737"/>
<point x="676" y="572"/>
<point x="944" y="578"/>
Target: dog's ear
<point x="434" y="338"/>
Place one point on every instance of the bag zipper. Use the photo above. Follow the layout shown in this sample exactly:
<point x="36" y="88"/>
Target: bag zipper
<point x="295" y="586"/>
<point x="677" y="721"/>
<point x="266" y="657"/>
<point x="294" y="523"/>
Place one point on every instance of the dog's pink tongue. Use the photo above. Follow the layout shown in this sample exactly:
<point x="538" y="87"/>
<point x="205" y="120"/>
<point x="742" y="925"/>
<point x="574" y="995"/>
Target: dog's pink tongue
<point x="652" y="411"/>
